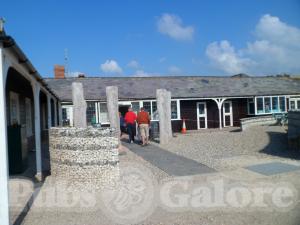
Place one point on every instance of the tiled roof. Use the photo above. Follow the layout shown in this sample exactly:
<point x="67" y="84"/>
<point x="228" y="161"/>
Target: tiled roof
<point x="131" y="88"/>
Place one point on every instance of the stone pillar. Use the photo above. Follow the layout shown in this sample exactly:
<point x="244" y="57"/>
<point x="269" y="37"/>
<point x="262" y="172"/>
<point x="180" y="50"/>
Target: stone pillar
<point x="164" y="112"/>
<point x="59" y="114"/>
<point x="37" y="126"/>
<point x="49" y="111"/>
<point x="113" y="106"/>
<point x="4" y="209"/>
<point x="55" y="112"/>
<point x="79" y="105"/>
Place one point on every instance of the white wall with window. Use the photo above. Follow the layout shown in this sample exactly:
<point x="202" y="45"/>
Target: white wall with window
<point x="264" y="105"/>
<point x="294" y="103"/>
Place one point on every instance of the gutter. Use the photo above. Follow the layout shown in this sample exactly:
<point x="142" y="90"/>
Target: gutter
<point x="9" y="42"/>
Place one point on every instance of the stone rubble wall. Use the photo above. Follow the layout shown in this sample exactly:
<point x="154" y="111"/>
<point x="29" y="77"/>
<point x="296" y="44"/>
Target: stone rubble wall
<point x="256" y="121"/>
<point x="294" y="130"/>
<point x="84" y="156"/>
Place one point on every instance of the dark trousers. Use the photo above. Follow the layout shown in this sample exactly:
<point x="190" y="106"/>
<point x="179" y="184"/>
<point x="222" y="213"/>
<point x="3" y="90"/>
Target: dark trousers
<point x="131" y="131"/>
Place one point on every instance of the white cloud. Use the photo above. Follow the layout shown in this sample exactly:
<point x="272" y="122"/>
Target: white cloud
<point x="111" y="66"/>
<point x="174" y="70"/>
<point x="226" y="58"/>
<point x="171" y="25"/>
<point x="141" y="73"/>
<point x="275" y="50"/>
<point x="133" y="64"/>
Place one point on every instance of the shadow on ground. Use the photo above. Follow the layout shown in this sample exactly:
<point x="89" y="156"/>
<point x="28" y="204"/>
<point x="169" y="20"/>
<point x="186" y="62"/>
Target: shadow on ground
<point x="278" y="146"/>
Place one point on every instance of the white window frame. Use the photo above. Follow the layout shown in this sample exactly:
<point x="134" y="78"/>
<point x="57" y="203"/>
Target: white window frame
<point x="294" y="99"/>
<point x="202" y="115"/>
<point x="271" y="104"/>
<point x="227" y="114"/>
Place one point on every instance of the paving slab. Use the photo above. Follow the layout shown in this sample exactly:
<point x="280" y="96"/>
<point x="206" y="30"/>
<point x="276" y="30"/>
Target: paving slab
<point x="172" y="164"/>
<point x="273" y="168"/>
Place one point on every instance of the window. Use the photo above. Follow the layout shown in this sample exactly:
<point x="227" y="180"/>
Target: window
<point x="154" y="111"/>
<point x="147" y="107"/>
<point x="135" y="107"/>
<point x="275" y="107"/>
<point x="91" y="113"/>
<point x="260" y="105"/>
<point x="298" y="104"/>
<point x="103" y="115"/>
<point x="267" y="105"/>
<point x="251" y="108"/>
<point x="282" y="104"/>
<point x="28" y="117"/>
<point x="294" y="103"/>
<point x="174" y="110"/>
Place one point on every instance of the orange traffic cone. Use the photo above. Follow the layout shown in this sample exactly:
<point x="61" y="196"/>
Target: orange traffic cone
<point x="183" y="130"/>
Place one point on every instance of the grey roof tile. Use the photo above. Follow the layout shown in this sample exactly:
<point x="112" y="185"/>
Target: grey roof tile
<point x="180" y="87"/>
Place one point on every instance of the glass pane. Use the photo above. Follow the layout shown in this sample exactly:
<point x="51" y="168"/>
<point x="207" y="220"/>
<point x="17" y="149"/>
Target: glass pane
<point x="282" y="104"/>
<point x="267" y="105"/>
<point x="103" y="113"/>
<point x="135" y="107"/>
<point x="91" y="113"/>
<point x="298" y="104"/>
<point x="259" y="105"/>
<point x="201" y="109"/>
<point x="251" y="105"/>
<point x="147" y="107"/>
<point x="275" y="107"/>
<point x="227" y="107"/>
<point x="173" y="109"/>
<point x="292" y="105"/>
<point x="154" y="111"/>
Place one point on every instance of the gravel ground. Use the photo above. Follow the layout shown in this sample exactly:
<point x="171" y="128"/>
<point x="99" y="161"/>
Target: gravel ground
<point x="227" y="151"/>
<point x="230" y="148"/>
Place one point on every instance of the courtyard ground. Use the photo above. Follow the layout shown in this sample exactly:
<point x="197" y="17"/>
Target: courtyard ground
<point x="190" y="181"/>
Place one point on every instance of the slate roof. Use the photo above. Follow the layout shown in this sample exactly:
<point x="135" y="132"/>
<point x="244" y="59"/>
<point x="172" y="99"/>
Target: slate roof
<point x="132" y="88"/>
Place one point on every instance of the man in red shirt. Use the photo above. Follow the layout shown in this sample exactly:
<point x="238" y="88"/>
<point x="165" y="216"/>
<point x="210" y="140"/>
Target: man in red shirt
<point x="143" y="120"/>
<point x="130" y="118"/>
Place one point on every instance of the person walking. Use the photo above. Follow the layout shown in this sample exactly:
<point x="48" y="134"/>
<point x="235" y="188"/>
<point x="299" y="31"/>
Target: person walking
<point x="122" y="125"/>
<point x="143" y="120"/>
<point x="130" y="118"/>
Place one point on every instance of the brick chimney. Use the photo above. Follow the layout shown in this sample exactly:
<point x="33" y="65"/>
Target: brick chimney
<point x="59" y="72"/>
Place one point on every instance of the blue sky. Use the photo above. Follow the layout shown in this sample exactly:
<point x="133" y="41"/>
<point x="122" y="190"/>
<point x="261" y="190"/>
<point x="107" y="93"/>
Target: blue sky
<point x="147" y="38"/>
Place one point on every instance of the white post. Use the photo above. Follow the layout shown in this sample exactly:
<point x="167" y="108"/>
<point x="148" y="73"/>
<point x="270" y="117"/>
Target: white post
<point x="55" y="112"/>
<point x="59" y="114"/>
<point x="49" y="111"/>
<point x="219" y="102"/>
<point x="36" y="96"/>
<point x="4" y="209"/>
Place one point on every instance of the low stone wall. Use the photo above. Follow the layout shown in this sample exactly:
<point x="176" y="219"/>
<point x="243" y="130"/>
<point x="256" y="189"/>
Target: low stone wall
<point x="84" y="156"/>
<point x="294" y="130"/>
<point x="256" y="121"/>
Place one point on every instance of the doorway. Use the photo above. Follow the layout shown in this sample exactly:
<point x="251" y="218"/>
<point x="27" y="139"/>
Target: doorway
<point x="227" y="114"/>
<point x="201" y="115"/>
<point x="123" y="109"/>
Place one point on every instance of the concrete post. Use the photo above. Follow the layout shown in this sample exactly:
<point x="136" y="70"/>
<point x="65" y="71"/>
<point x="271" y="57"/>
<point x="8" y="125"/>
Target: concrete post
<point x="113" y="107"/>
<point x="37" y="126"/>
<point x="4" y="209"/>
<point x="49" y="111"/>
<point x="164" y="112"/>
<point x="55" y="112"/>
<point x="79" y="105"/>
<point x="59" y="114"/>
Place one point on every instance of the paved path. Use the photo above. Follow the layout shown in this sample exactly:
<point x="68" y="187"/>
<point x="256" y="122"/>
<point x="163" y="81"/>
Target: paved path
<point x="172" y="164"/>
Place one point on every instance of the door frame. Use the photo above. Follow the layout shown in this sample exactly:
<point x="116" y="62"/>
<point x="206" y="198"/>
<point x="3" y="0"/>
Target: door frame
<point x="227" y="114"/>
<point x="202" y="115"/>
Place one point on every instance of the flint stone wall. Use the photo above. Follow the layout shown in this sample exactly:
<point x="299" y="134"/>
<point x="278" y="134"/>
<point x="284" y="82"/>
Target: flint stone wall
<point x="85" y="156"/>
<point x="294" y="130"/>
<point x="256" y="121"/>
